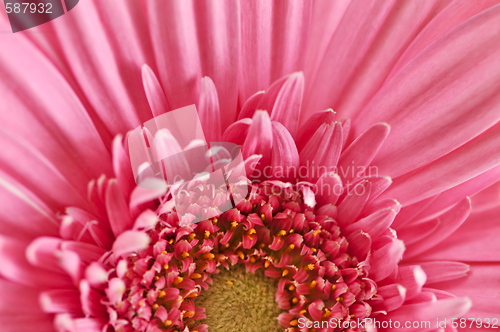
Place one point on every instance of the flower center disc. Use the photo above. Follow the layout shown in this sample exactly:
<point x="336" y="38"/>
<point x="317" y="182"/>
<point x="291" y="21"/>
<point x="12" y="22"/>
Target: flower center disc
<point x="241" y="302"/>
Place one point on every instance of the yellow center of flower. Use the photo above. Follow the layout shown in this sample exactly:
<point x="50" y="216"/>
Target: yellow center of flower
<point x="240" y="302"/>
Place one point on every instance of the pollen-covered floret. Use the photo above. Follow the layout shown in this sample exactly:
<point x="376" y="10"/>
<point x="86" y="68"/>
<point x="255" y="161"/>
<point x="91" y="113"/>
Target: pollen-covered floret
<point x="320" y="275"/>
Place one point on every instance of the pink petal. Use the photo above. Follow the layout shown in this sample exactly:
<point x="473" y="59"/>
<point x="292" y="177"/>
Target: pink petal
<point x="309" y="197"/>
<point x="176" y="50"/>
<point x="71" y="263"/>
<point x="42" y="253"/>
<point x="439" y="294"/>
<point x="237" y="132"/>
<point x="16" y="268"/>
<point x="412" y="211"/>
<point x="377" y="205"/>
<point x="475" y="240"/>
<point x="218" y="28"/>
<point x="91" y="300"/>
<point x="322" y="152"/>
<point x="334" y="147"/>
<point x="259" y="139"/>
<point x="21" y="206"/>
<point x="28" y="322"/>
<point x="412" y="278"/>
<point x="251" y="163"/>
<point x="326" y="16"/>
<point x="209" y="110"/>
<point x="146" y="221"/>
<point x="481" y="286"/>
<point x="384" y="260"/>
<point x="359" y="244"/>
<point x="394" y="296"/>
<point x="452" y="15"/>
<point x="58" y="136"/>
<point x="154" y="92"/>
<point x="273" y="37"/>
<point x="288" y="103"/>
<point x="379" y="183"/>
<point x="486" y="199"/>
<point x="117" y="208"/>
<point x="312" y="125"/>
<point x="79" y="225"/>
<point x="87" y="252"/>
<point x="360" y="153"/>
<point x="17" y="299"/>
<point x="448" y="223"/>
<point x="328" y="189"/>
<point x="121" y="166"/>
<point x="96" y="275"/>
<point x="350" y="208"/>
<point x="464" y="163"/>
<point x="107" y="65"/>
<point x="285" y="158"/>
<point x="165" y="144"/>
<point x="61" y="301"/>
<point x="375" y="224"/>
<point x="453" y="88"/>
<point x="52" y="179"/>
<point x="444" y="271"/>
<point x="250" y="105"/>
<point x="457" y="193"/>
<point x="314" y="150"/>
<point x="418" y="231"/>
<point x="129" y="242"/>
<point x="423" y="296"/>
<point x="362" y="52"/>
<point x="271" y="94"/>
<point x="346" y="127"/>
<point x="65" y="322"/>
<point x="143" y="195"/>
<point x="450" y="308"/>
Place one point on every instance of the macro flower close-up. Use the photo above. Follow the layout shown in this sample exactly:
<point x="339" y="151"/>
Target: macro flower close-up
<point x="366" y="196"/>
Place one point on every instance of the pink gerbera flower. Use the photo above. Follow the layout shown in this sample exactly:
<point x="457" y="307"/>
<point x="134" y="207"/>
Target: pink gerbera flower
<point x="390" y="105"/>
